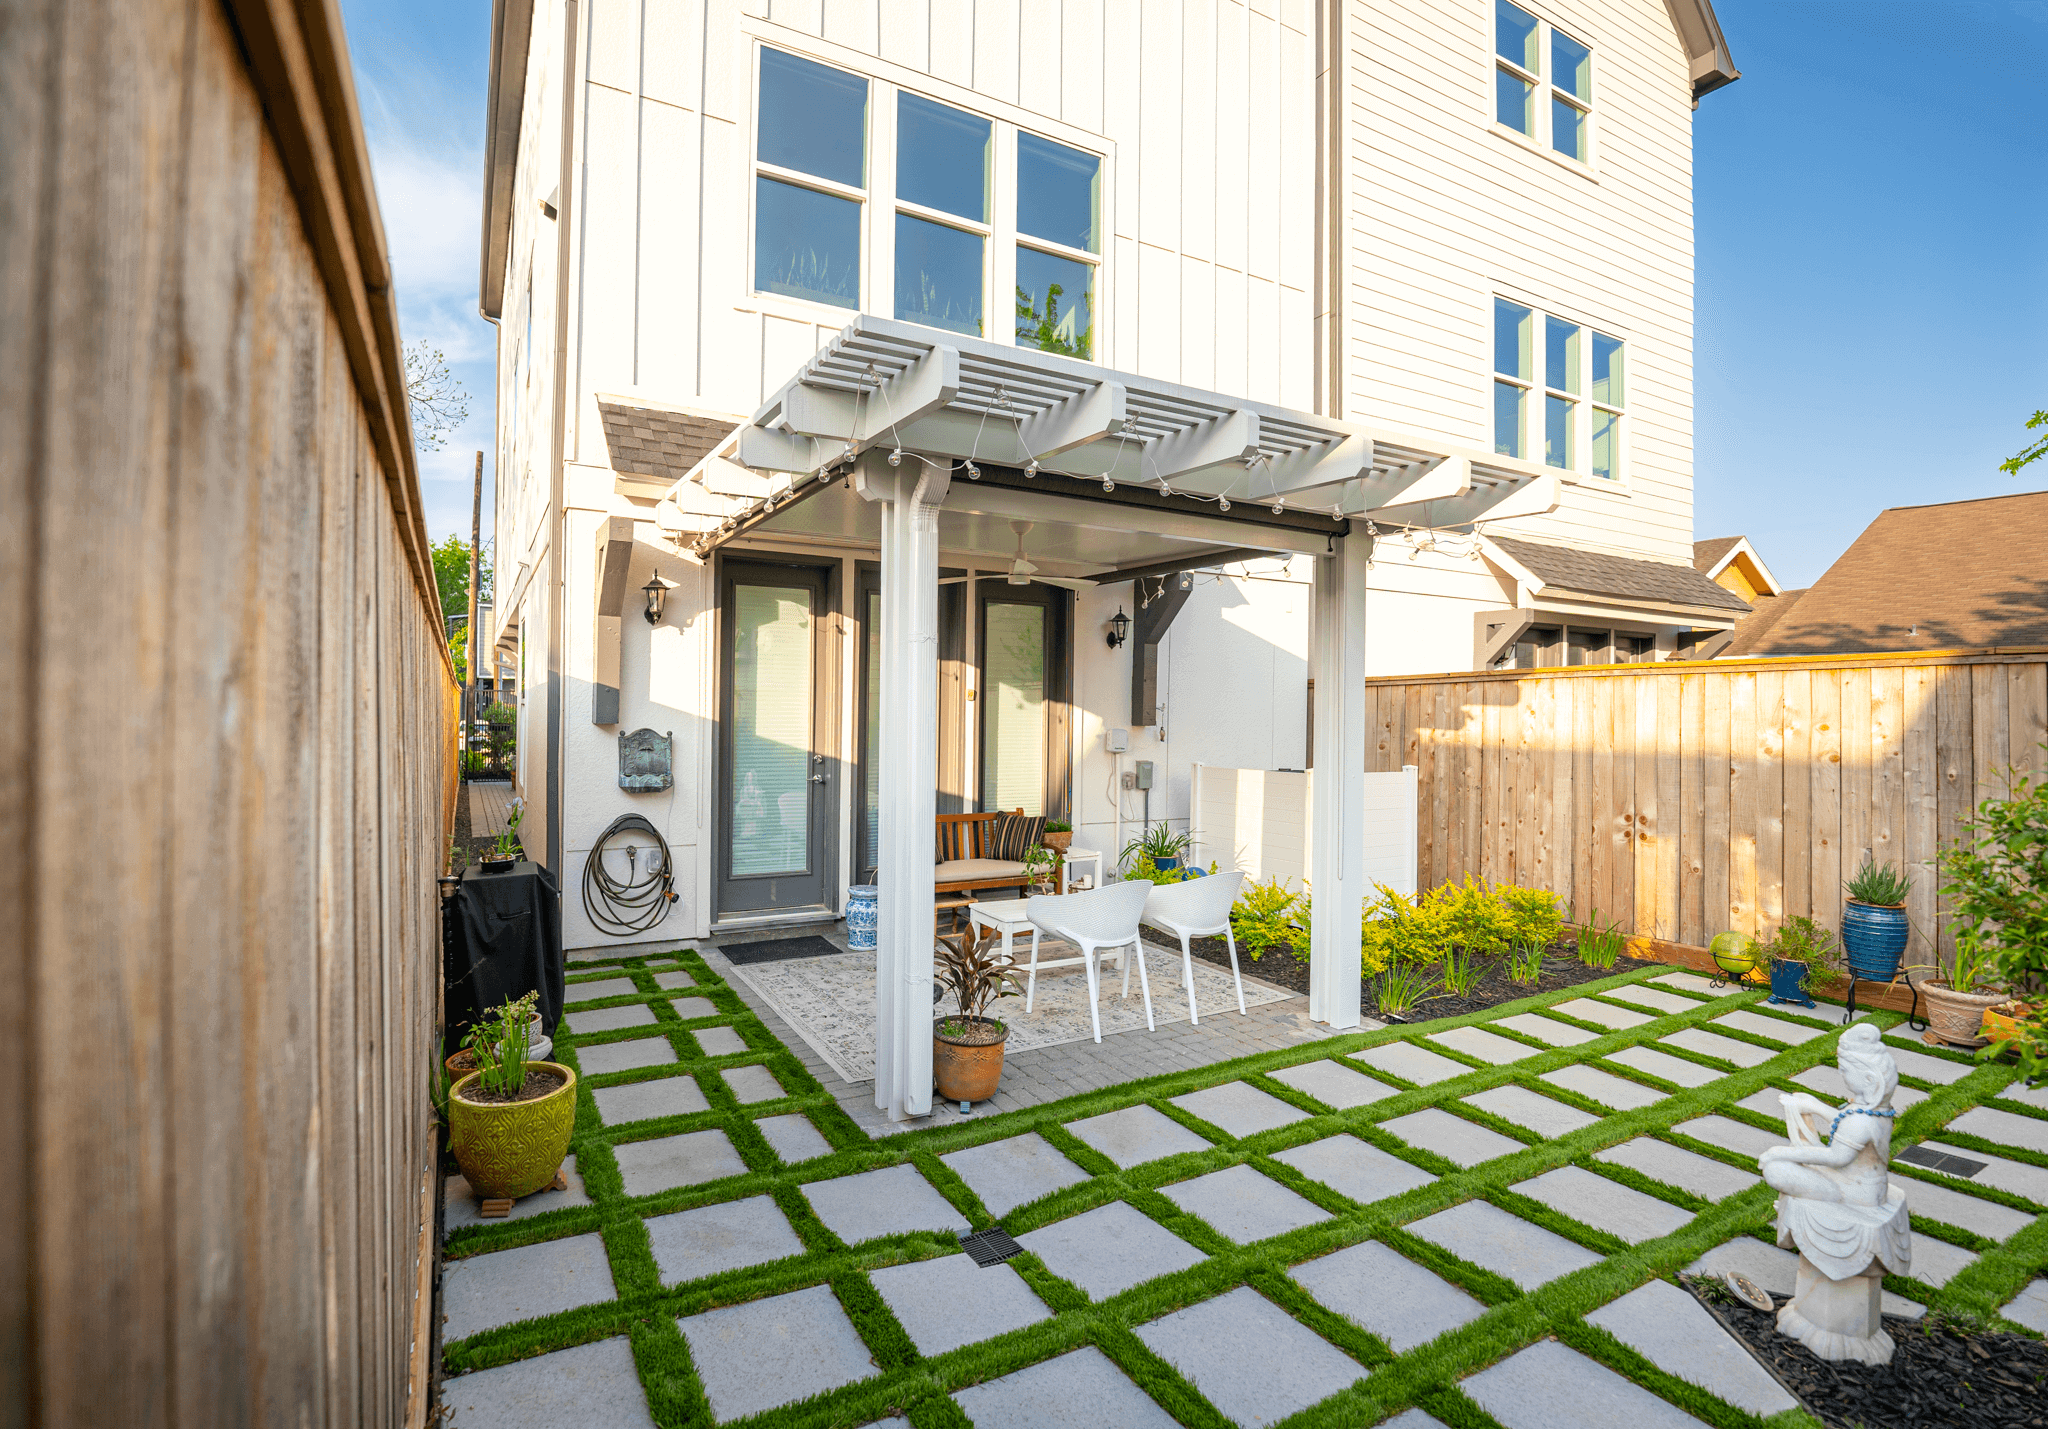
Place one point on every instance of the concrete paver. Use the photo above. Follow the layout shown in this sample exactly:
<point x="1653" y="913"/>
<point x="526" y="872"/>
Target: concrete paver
<point x="1616" y="1018"/>
<point x="1674" y="1332"/>
<point x="1108" y="1250"/>
<point x="625" y="1056"/>
<point x="1924" y="1068"/>
<point x="1605" y="1088"/>
<point x="2029" y="1307"/>
<point x="1606" y="1205"/>
<point x="792" y="1137"/>
<point x="1451" y="1137"/>
<point x="1355" y="1168"/>
<point x="1006" y="1174"/>
<point x="719" y="1041"/>
<point x="665" y="1162"/>
<point x="2005" y="1128"/>
<point x="1485" y="1046"/>
<point x="1653" y="998"/>
<point x="1382" y="1291"/>
<point x="752" y="1084"/>
<point x="1660" y="1064"/>
<point x="1772" y="1028"/>
<point x="643" y="1101"/>
<point x="1547" y="1029"/>
<point x="1548" y="1119"/>
<point x="757" y="1355"/>
<point x="482" y="1292"/>
<point x="579" y="992"/>
<point x="890" y="1201"/>
<point x="1675" y="1166"/>
<point x="1507" y="1245"/>
<point x="1954" y="1208"/>
<point x="1412" y="1063"/>
<point x="1293" y="1369"/>
<point x="2015" y="1176"/>
<point x="689" y="1245"/>
<point x="692" y="1007"/>
<point x="1552" y="1386"/>
<point x="594" y="1386"/>
<point x="1244" y="1205"/>
<point x="609" y="1019"/>
<point x="1334" y="1084"/>
<point x="1082" y="1389"/>
<point x="1698" y="1039"/>
<point x="1136" y="1134"/>
<point x="1729" y="1134"/>
<point x="949" y="1301"/>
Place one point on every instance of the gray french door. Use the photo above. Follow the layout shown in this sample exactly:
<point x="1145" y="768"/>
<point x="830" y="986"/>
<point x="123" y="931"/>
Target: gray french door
<point x="777" y="772"/>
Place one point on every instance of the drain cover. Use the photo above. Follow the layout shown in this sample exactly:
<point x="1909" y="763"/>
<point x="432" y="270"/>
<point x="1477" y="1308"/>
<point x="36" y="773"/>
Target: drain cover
<point x="990" y="1247"/>
<point x="1941" y="1161"/>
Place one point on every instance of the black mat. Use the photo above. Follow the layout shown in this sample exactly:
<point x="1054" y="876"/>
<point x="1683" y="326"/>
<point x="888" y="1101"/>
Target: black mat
<point x="776" y="950"/>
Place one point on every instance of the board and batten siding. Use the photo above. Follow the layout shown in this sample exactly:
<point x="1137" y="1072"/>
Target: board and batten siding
<point x="226" y="717"/>
<point x="1683" y="800"/>
<point x="1443" y="212"/>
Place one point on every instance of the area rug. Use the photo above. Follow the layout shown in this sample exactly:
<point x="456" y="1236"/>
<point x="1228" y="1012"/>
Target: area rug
<point x="831" y="1002"/>
<point x="775" y="950"/>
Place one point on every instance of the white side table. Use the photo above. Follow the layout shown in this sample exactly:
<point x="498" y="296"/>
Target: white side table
<point x="1089" y="856"/>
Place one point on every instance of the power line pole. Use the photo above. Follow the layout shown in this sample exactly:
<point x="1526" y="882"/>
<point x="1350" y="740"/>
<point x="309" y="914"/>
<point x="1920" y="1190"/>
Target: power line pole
<point x="476" y="536"/>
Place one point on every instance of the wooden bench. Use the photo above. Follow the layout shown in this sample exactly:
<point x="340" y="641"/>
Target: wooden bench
<point x="964" y="863"/>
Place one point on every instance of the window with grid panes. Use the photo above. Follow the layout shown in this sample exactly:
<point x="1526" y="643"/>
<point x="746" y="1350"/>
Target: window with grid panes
<point x="1558" y="391"/>
<point x="940" y="237"/>
<point x="1542" y="81"/>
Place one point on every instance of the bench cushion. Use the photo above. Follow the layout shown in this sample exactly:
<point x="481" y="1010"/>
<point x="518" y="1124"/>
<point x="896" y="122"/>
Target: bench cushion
<point x="959" y="870"/>
<point x="1014" y="834"/>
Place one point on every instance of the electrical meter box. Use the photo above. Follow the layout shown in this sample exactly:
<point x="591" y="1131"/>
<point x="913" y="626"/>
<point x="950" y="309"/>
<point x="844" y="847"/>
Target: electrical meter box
<point x="1116" y="741"/>
<point x="1144" y="774"/>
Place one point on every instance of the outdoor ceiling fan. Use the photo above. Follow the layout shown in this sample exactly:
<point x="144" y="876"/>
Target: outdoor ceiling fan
<point x="1023" y="572"/>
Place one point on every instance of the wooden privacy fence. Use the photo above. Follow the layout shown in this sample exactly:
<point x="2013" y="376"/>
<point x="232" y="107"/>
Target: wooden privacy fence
<point x="1681" y="800"/>
<point x="225" y="731"/>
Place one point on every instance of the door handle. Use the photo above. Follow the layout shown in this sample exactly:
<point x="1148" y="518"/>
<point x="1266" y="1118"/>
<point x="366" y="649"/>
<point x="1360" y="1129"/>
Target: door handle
<point x="817" y="778"/>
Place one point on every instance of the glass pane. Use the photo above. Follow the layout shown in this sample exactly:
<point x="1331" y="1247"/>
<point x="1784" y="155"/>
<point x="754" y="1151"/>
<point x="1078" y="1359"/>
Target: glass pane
<point x="814" y="118"/>
<point x="1511" y="339"/>
<point x="1607" y="373"/>
<point x="1514" y="34"/>
<point x="1571" y="66"/>
<point x="806" y="244"/>
<point x="1561" y="355"/>
<point x="1507" y="419"/>
<point x="1514" y="102"/>
<point x="871" y="757"/>
<point x="1606" y="444"/>
<point x="938" y="275"/>
<point x="1059" y="193"/>
<point x="1567" y="129"/>
<point x="1557" y="432"/>
<point x="770" y="826"/>
<point x="1013" y="708"/>
<point x="942" y="157"/>
<point x="1055" y="303"/>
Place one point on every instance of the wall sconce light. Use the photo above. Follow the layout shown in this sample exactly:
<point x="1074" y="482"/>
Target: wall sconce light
<point x="1119" y="628"/>
<point x="657" y="597"/>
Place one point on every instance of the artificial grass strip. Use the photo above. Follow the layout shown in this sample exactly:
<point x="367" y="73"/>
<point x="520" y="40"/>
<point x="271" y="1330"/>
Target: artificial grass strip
<point x="1426" y="1376"/>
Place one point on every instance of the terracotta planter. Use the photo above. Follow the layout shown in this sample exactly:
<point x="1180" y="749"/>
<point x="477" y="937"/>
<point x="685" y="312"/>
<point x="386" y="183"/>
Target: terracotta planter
<point x="512" y="1148"/>
<point x="2003" y="1026"/>
<point x="967" y="1071"/>
<point x="1060" y="842"/>
<point x="460" y="1063"/>
<point x="1956" y="1016"/>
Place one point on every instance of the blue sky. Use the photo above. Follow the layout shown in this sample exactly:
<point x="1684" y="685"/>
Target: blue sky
<point x="1873" y="280"/>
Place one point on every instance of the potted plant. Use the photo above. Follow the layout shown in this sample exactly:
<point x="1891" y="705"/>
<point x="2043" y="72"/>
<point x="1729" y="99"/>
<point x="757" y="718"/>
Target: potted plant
<point x="1998" y="893"/>
<point x="1160" y="846"/>
<point x="505" y="852"/>
<point x="1039" y="866"/>
<point x="509" y="1121"/>
<point x="1874" y="923"/>
<point x="967" y="1048"/>
<point x="1956" y="1004"/>
<point x="1059" y="835"/>
<point x="1800" y="952"/>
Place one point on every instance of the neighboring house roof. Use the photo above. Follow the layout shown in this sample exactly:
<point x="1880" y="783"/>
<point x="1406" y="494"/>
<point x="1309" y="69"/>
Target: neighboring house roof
<point x="1755" y="628"/>
<point x="659" y="443"/>
<point x="1706" y="49"/>
<point x="1623" y="577"/>
<point x="1960" y="575"/>
<point x="1709" y="556"/>
<point x="1732" y="562"/>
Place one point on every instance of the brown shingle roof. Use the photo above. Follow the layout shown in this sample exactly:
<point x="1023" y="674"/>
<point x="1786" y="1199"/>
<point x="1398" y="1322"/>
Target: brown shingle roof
<point x="1707" y="554"/>
<point x="657" y="442"/>
<point x="1755" y="628"/>
<point x="1623" y="576"/>
<point x="1965" y="574"/>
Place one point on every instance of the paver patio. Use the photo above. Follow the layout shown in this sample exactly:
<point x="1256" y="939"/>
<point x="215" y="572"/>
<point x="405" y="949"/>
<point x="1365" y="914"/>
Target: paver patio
<point x="1290" y="1241"/>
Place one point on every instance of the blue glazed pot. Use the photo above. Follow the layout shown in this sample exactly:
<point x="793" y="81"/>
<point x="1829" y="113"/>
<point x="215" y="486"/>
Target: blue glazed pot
<point x="1786" y="978"/>
<point x="1874" y="939"/>
<point x="863" y="914"/>
<point x="1166" y="863"/>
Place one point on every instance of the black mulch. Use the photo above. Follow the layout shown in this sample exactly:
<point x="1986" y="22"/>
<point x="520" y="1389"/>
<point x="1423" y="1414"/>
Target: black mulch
<point x="1941" y="1374"/>
<point x="1561" y="969"/>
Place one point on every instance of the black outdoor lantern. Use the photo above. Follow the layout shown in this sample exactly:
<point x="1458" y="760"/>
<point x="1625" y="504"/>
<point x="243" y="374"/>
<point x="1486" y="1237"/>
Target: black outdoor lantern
<point x="657" y="596"/>
<point x="1119" y="627"/>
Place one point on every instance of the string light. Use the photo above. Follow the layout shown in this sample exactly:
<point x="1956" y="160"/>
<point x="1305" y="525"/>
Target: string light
<point x="973" y="471"/>
<point x="896" y="457"/>
<point x="1108" y="485"/>
<point x="1278" y="506"/>
<point x="1031" y="468"/>
<point x="1222" y="503"/>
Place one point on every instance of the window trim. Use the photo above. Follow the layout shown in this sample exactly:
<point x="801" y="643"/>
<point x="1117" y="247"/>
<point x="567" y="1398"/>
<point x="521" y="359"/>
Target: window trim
<point x="1547" y="92"/>
<point x="1537" y="388"/>
<point x="880" y="204"/>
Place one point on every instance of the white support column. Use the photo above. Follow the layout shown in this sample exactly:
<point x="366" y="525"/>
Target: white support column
<point x="909" y="497"/>
<point x="1337" y="786"/>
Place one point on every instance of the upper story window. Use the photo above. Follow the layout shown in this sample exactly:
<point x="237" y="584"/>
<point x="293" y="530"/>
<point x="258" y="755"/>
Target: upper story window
<point x="942" y="248"/>
<point x="1559" y="385"/>
<point x="1543" y="81"/>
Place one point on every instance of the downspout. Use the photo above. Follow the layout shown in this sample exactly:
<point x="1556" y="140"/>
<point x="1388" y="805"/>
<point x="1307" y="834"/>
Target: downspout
<point x="565" y="198"/>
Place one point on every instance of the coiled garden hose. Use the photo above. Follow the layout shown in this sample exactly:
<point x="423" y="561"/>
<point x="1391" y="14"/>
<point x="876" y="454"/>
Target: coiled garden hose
<point x="639" y="903"/>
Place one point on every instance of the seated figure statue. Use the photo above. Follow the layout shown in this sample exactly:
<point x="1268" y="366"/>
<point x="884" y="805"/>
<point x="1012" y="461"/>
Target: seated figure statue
<point x="1837" y="1207"/>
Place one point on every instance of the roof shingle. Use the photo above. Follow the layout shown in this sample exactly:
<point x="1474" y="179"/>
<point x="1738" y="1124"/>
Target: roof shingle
<point x="1596" y="573"/>
<point x="655" y="442"/>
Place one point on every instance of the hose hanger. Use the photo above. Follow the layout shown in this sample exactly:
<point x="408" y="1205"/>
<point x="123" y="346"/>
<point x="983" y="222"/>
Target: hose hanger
<point x="642" y="900"/>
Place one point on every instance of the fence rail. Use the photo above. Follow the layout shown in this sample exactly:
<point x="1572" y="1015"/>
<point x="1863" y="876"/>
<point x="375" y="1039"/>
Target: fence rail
<point x="1684" y="799"/>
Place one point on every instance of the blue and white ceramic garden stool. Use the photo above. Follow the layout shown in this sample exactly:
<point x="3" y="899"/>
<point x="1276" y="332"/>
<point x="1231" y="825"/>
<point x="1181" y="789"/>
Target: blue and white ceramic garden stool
<point x="863" y="913"/>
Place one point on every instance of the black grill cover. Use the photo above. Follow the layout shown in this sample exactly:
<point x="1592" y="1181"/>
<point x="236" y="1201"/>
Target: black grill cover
<point x="504" y="939"/>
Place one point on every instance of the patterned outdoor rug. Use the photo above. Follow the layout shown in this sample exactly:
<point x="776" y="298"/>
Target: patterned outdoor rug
<point x="831" y="1002"/>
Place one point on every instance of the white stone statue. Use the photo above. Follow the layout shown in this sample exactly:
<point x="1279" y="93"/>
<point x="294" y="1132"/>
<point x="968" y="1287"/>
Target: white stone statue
<point x="1838" y="1208"/>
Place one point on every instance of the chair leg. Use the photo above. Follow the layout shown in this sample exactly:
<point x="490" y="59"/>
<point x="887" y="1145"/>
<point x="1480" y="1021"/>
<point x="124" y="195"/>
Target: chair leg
<point x="1094" y="1012"/>
<point x="1125" y="958"/>
<point x="1187" y="979"/>
<point x="1031" y="983"/>
<point x="1231" y="942"/>
<point x="1144" y="985"/>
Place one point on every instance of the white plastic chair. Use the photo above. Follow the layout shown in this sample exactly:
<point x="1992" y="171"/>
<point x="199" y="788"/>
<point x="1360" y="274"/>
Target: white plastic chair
<point x="1198" y="908"/>
<point x="1099" y="918"/>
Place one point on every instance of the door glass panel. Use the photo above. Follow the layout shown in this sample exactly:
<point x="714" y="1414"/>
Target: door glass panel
<point x="1013" y="708"/>
<point x="771" y="715"/>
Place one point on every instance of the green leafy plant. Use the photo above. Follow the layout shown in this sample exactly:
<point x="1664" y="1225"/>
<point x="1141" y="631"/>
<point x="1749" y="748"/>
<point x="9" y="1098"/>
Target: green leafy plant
<point x="473" y="761"/>
<point x="1158" y="844"/>
<point x="1600" y="945"/>
<point x="1263" y="916"/>
<point x="1801" y="940"/>
<point x="1400" y="988"/>
<point x="970" y="965"/>
<point x="1058" y="826"/>
<point x="1535" y="917"/>
<point x="507" y="845"/>
<point x="1409" y="929"/>
<point x="500" y="1043"/>
<point x="1039" y="863"/>
<point x="1473" y="918"/>
<point x="1525" y="961"/>
<point x="1883" y="887"/>
<point x="1461" y="971"/>
<point x="497" y="712"/>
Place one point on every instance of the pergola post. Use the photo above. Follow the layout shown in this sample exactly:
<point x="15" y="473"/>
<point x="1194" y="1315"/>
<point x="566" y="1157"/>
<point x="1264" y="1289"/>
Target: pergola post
<point x="909" y="498"/>
<point x="1337" y="786"/>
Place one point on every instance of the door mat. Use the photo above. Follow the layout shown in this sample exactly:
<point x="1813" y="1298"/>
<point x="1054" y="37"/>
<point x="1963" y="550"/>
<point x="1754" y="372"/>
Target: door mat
<point x="775" y="950"/>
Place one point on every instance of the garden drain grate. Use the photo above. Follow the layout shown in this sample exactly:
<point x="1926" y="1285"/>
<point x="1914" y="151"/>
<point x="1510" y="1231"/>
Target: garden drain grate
<point x="990" y="1247"/>
<point x="1938" y="1161"/>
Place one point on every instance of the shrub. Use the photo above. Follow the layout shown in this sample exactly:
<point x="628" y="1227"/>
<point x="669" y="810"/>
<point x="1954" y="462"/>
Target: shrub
<point x="1474" y="918"/>
<point x="1411" y="930"/>
<point x="1263" y="916"/>
<point x="1534" y="917"/>
<point x="1998" y="891"/>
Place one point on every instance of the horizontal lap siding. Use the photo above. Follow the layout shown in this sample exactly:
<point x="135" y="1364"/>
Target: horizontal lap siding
<point x="1682" y="802"/>
<point x="224" y="724"/>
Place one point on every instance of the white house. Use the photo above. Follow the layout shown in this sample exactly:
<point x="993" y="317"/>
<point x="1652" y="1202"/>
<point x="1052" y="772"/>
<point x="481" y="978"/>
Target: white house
<point x="1160" y="308"/>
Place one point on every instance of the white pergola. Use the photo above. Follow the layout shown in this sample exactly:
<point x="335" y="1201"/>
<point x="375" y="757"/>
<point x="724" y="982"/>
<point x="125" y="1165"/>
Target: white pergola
<point x="911" y="417"/>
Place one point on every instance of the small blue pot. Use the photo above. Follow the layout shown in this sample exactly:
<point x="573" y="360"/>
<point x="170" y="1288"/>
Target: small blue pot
<point x="1874" y="938"/>
<point x="1786" y="978"/>
<point x="1166" y="863"/>
<point x="863" y="915"/>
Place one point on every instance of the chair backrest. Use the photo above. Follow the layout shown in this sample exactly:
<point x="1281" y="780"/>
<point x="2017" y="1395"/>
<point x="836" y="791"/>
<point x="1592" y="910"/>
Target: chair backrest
<point x="1101" y="915"/>
<point x="965" y="835"/>
<point x="1198" y="903"/>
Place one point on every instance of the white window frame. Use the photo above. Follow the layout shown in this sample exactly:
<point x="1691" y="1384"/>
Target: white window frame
<point x="1546" y="90"/>
<point x="1542" y="384"/>
<point x="880" y="206"/>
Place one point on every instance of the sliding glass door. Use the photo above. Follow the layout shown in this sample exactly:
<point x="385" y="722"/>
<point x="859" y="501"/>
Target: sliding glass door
<point x="1023" y="652"/>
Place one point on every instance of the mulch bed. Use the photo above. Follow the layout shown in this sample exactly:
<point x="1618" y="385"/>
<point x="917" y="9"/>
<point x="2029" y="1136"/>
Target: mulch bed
<point x="1942" y="1374"/>
<point x="1561" y="968"/>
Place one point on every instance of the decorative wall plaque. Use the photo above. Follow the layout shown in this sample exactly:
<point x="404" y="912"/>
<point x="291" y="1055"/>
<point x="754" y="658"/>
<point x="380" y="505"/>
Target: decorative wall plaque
<point x="646" y="760"/>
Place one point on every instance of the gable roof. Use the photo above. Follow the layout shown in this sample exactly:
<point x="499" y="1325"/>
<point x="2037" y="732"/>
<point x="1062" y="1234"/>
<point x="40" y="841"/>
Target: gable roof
<point x="660" y="443"/>
<point x="1709" y="556"/>
<point x="1706" y="49"/>
<point x="1961" y="575"/>
<point x="1596" y="573"/>
<point x="1755" y="629"/>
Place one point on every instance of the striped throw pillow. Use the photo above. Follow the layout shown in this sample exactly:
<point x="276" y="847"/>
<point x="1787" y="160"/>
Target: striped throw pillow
<point x="1014" y="834"/>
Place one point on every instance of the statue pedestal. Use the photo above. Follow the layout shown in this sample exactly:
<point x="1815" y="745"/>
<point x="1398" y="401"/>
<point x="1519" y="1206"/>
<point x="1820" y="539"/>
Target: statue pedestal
<point x="1839" y="1319"/>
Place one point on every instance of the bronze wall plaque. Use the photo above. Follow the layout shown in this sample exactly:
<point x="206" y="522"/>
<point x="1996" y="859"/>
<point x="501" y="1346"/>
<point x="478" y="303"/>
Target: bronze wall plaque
<point x="646" y="760"/>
